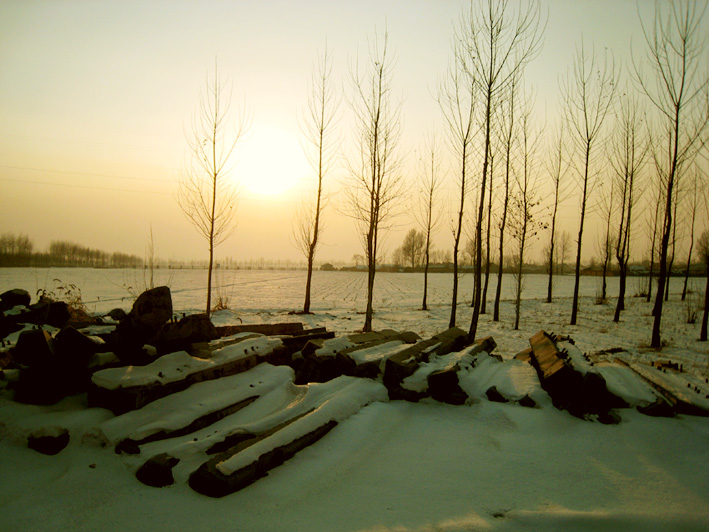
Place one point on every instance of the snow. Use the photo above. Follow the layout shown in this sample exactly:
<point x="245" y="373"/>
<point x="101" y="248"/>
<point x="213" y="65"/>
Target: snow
<point x="180" y="409"/>
<point x="513" y="379"/>
<point x="333" y="345"/>
<point x="626" y="384"/>
<point x="176" y="366"/>
<point x="677" y="384"/>
<point x="377" y="352"/>
<point x="393" y="466"/>
<point x="337" y="400"/>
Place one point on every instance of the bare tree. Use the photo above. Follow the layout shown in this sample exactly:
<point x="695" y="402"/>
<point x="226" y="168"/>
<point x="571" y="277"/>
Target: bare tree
<point x="207" y="193"/>
<point x="653" y="224"/>
<point x="428" y="214"/>
<point x="588" y="97"/>
<point x="606" y="240"/>
<point x="499" y="40"/>
<point x="676" y="85"/>
<point x="375" y="177"/>
<point x="508" y="135"/>
<point x="703" y="248"/>
<point x="457" y="101"/>
<point x="693" y="205"/>
<point x="317" y="126"/>
<point x="627" y="156"/>
<point x="673" y="241"/>
<point x="556" y="170"/>
<point x="487" y="236"/>
<point x="525" y="224"/>
<point x="564" y="247"/>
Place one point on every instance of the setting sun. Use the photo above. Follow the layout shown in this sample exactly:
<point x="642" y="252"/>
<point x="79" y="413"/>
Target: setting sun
<point x="270" y="161"/>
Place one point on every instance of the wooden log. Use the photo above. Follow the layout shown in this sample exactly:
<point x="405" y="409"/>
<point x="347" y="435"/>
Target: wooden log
<point x="128" y="388"/>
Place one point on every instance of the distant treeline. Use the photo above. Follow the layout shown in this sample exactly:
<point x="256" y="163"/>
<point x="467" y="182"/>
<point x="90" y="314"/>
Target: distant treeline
<point x="18" y="251"/>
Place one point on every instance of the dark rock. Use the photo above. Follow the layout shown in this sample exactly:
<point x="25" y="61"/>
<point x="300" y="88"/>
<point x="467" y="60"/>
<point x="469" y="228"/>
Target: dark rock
<point x="152" y="309"/>
<point x="74" y="347"/>
<point x="528" y="402"/>
<point x="49" y="440"/>
<point x="117" y="314"/>
<point x="58" y="314"/>
<point x="34" y="348"/>
<point x="13" y="298"/>
<point x="493" y="394"/>
<point x="157" y="471"/>
<point x="189" y="330"/>
<point x="5" y="358"/>
<point x="8" y="325"/>
<point x="150" y="312"/>
<point x="444" y="387"/>
<point x="47" y="312"/>
<point x="609" y="418"/>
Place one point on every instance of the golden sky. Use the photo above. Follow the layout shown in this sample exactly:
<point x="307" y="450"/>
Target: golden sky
<point x="97" y="97"/>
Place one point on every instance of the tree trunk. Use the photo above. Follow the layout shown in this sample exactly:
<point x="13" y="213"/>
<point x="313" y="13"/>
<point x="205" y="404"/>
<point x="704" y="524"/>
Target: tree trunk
<point x="575" y="303"/>
<point x="424" y="306"/>
<point x="487" y="247"/>
<point x="703" y="333"/>
<point x="620" y="305"/>
<point x="306" y="303"/>
<point x="477" y="289"/>
<point x="456" y="244"/>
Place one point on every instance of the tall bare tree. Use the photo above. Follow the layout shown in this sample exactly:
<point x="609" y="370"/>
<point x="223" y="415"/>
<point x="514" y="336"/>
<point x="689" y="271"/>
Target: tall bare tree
<point x="693" y="206"/>
<point x="628" y="149"/>
<point x="508" y="135"/>
<point x="457" y="101"/>
<point x="375" y="176"/>
<point x="588" y="96"/>
<point x="317" y="126"/>
<point x="428" y="214"/>
<point x="606" y="239"/>
<point x="499" y="40"/>
<point x="653" y="224"/>
<point x="207" y="192"/>
<point x="703" y="248"/>
<point x="677" y="84"/>
<point x="556" y="169"/>
<point x="488" y="222"/>
<point x="524" y="221"/>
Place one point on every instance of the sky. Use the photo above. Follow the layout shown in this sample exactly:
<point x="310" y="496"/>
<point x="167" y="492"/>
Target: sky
<point x="98" y="96"/>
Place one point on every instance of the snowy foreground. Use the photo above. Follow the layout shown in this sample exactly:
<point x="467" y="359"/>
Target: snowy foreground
<point x="395" y="465"/>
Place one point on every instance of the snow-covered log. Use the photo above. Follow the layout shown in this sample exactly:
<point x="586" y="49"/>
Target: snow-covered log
<point x="128" y="388"/>
<point x="329" y="403"/>
<point x="191" y="409"/>
<point x="571" y="381"/>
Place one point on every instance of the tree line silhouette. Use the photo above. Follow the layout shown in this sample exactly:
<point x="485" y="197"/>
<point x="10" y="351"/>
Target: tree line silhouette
<point x="19" y="251"/>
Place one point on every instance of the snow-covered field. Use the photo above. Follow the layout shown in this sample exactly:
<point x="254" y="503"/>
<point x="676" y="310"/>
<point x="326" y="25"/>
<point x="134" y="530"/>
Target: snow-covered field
<point x="393" y="465"/>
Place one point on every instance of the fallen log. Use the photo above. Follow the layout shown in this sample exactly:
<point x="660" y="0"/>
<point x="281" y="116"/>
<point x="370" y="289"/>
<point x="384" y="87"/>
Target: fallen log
<point x="128" y="388"/>
<point x="406" y="362"/>
<point x="239" y="467"/>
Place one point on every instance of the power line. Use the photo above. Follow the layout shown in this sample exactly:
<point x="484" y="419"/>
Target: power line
<point x="84" y="186"/>
<point x="85" y="173"/>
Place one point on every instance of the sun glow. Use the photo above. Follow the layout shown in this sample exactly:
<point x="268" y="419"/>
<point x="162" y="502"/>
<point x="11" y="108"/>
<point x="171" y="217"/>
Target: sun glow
<point x="271" y="161"/>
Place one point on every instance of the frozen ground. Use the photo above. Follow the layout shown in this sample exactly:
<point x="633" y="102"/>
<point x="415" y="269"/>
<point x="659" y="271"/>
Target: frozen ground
<point x="392" y="466"/>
